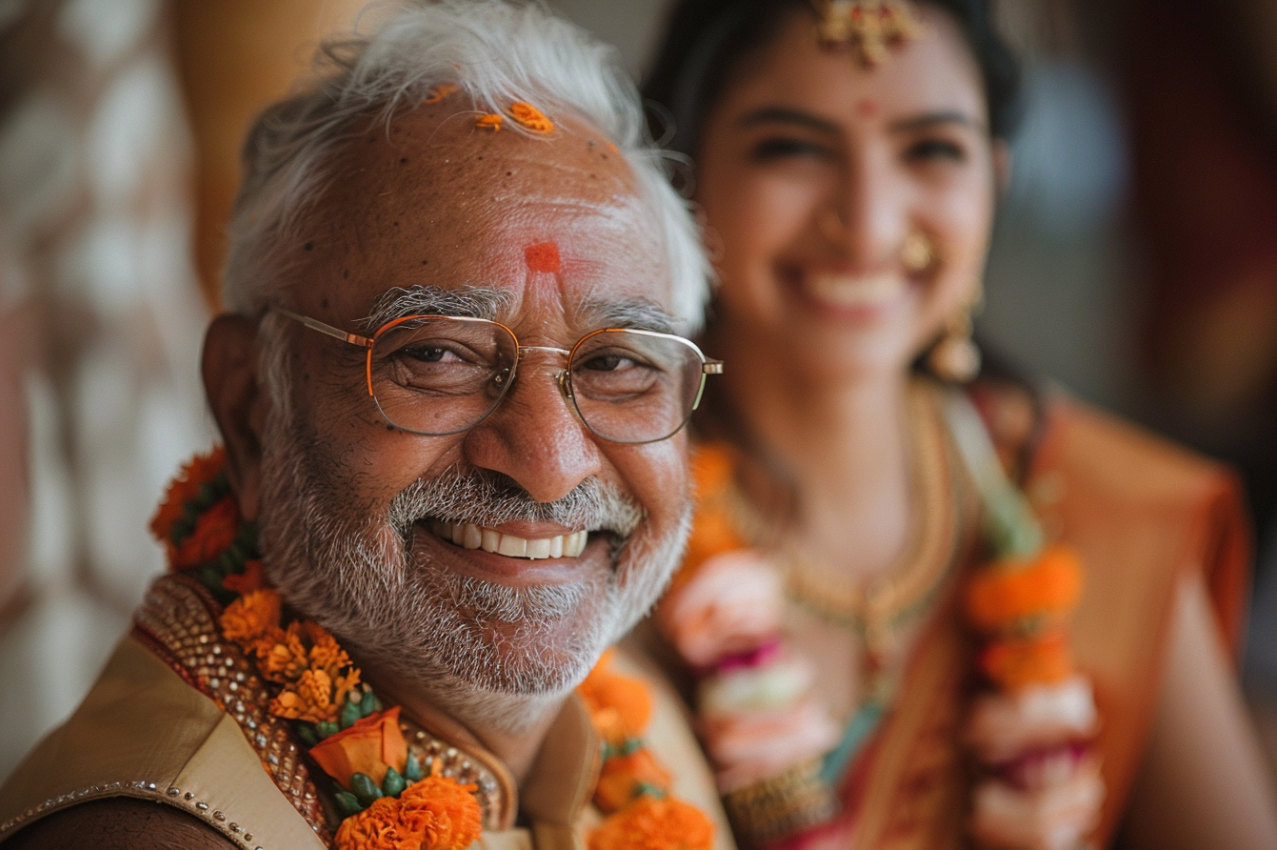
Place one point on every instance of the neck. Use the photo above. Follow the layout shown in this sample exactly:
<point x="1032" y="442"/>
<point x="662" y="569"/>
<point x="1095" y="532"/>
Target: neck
<point x="845" y="443"/>
<point x="513" y="732"/>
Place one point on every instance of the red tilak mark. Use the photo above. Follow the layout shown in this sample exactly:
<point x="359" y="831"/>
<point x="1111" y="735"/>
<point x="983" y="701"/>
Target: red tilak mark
<point x="867" y="108"/>
<point x="543" y="257"/>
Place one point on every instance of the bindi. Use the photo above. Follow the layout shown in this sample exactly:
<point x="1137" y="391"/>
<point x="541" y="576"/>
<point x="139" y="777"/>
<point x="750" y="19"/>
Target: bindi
<point x="867" y="108"/>
<point x="542" y="257"/>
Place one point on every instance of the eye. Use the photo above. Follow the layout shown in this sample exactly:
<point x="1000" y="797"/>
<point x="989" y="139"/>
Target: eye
<point x="936" y="150"/>
<point x="609" y="363"/>
<point x="783" y="148"/>
<point x="431" y="354"/>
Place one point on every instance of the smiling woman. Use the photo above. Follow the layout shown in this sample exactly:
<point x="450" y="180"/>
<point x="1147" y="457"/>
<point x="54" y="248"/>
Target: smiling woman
<point x="923" y="602"/>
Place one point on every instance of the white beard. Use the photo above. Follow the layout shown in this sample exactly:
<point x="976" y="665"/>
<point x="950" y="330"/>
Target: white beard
<point x="477" y="649"/>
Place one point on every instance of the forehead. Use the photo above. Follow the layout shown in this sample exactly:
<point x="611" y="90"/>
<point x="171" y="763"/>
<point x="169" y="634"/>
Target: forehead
<point x="936" y="71"/>
<point x="436" y="200"/>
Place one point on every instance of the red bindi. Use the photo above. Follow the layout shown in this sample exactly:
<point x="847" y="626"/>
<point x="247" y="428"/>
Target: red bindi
<point x="542" y="257"/>
<point x="867" y="108"/>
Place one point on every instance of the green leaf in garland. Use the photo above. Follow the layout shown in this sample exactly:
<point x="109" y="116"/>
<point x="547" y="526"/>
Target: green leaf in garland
<point x="307" y="733"/>
<point x="326" y="729"/>
<point x="347" y="803"/>
<point x="350" y="714"/>
<point x="412" y="770"/>
<point x="365" y="789"/>
<point x="393" y="785"/>
<point x="370" y="704"/>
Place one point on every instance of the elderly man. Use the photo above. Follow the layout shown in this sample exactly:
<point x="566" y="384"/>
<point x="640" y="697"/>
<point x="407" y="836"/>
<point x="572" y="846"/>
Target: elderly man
<point x="451" y="398"/>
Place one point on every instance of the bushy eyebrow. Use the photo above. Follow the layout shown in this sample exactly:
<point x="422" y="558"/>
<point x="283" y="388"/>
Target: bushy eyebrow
<point x="633" y="313"/>
<point x="795" y="117"/>
<point x="474" y="302"/>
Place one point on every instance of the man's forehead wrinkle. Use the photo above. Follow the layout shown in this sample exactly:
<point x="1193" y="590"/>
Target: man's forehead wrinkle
<point x="469" y="301"/>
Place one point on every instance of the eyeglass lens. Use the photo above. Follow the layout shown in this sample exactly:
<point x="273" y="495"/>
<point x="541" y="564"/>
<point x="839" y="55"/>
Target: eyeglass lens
<point x="440" y="376"/>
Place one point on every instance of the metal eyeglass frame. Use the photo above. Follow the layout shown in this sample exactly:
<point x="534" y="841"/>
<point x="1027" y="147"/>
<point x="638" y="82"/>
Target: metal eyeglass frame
<point x="562" y="378"/>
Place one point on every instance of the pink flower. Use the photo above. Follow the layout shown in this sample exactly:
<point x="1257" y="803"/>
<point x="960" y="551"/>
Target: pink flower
<point x="748" y="747"/>
<point x="1002" y="726"/>
<point x="733" y="604"/>
<point x="1056" y="817"/>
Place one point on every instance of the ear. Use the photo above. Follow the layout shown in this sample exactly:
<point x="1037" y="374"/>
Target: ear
<point x="1001" y="167"/>
<point x="238" y="402"/>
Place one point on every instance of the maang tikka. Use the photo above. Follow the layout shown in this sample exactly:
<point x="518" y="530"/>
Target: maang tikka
<point x="869" y="27"/>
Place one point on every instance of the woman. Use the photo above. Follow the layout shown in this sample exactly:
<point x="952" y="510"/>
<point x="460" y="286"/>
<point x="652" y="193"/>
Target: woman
<point x="916" y="611"/>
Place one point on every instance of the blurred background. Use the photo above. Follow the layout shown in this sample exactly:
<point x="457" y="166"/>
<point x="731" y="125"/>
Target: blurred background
<point x="1135" y="263"/>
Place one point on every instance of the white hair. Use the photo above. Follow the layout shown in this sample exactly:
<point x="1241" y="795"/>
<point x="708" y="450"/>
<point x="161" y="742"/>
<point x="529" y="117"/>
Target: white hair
<point x="495" y="51"/>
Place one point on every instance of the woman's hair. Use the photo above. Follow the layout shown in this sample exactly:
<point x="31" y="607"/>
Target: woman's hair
<point x="705" y="41"/>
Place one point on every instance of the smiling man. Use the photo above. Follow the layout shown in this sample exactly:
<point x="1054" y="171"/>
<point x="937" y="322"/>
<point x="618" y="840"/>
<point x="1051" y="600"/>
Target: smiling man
<point x="452" y="399"/>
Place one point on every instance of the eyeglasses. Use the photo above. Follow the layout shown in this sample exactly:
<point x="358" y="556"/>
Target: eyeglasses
<point x="442" y="375"/>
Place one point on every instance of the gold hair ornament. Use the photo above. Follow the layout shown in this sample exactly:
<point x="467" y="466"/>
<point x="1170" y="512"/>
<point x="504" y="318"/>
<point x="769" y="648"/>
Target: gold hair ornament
<point x="870" y="27"/>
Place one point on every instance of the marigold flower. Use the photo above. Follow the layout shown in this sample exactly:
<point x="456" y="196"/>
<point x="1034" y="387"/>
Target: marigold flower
<point x="325" y="653"/>
<point x="185" y="487"/>
<point x="215" y="531"/>
<point x="251" y="579"/>
<point x="619" y="706"/>
<point x="371" y="746"/>
<point x="623" y="778"/>
<point x="1007" y="593"/>
<point x="251" y="616"/>
<point x="284" y="661"/>
<point x="1015" y="664"/>
<point x="434" y="814"/>
<point x="652" y="824"/>
<point x="310" y="699"/>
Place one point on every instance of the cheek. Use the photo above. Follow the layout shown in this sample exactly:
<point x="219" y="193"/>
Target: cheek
<point x="657" y="475"/>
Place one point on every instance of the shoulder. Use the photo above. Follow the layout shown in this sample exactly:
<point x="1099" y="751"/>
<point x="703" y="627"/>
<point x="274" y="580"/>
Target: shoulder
<point x="1051" y="434"/>
<point x="122" y="823"/>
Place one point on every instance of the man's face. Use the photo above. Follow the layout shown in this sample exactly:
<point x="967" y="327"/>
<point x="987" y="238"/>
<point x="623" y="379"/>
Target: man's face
<point x="357" y="516"/>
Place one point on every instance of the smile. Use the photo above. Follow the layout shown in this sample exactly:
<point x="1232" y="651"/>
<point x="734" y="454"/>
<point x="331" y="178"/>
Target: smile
<point x="848" y="291"/>
<point x="471" y="536"/>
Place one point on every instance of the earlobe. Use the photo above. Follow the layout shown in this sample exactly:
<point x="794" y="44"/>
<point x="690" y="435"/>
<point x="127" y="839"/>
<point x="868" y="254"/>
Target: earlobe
<point x="1001" y="168"/>
<point x="238" y="403"/>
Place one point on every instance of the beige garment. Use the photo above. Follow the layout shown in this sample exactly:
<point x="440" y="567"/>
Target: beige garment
<point x="145" y="732"/>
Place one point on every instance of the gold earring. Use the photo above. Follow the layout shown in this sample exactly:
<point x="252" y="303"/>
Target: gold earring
<point x="917" y="252"/>
<point x="956" y="358"/>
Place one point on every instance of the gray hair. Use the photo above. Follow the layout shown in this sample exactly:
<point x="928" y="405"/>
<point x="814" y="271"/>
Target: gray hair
<point x="495" y="51"/>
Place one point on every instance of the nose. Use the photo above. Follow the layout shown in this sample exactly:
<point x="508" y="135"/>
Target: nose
<point x="534" y="436"/>
<point x="872" y="210"/>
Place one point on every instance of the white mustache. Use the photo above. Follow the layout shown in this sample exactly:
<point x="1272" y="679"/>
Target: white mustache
<point x="490" y="499"/>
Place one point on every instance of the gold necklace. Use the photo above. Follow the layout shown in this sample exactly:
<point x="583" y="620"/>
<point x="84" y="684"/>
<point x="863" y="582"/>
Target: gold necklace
<point x="876" y="610"/>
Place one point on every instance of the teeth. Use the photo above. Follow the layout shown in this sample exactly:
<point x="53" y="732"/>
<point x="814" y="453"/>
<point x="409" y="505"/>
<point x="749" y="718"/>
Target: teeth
<point x="513" y="547"/>
<point x="472" y="536"/>
<point x="847" y="291"/>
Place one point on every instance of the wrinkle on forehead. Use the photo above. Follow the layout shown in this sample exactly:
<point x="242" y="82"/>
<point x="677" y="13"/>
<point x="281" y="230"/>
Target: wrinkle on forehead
<point x="436" y="202"/>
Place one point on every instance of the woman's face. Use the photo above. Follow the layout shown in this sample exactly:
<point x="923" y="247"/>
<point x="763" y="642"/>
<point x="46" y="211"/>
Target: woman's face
<point x="817" y="173"/>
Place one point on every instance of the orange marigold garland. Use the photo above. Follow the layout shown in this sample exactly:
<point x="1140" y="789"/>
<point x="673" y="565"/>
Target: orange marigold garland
<point x="633" y="789"/>
<point x="382" y="793"/>
<point x="199" y="524"/>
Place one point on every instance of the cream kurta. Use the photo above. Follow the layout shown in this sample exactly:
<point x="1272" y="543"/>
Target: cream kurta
<point x="144" y="731"/>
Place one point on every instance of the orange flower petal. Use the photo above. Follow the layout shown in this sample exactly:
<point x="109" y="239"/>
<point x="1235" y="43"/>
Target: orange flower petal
<point x="439" y="92"/>
<point x="491" y="121"/>
<point x="651" y="824"/>
<point x="530" y="117"/>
